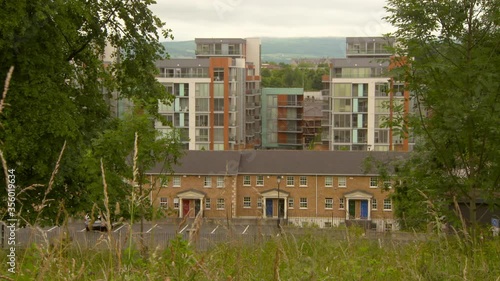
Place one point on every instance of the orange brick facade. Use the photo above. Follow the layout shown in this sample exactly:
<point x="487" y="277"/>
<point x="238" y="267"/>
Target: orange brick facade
<point x="316" y="199"/>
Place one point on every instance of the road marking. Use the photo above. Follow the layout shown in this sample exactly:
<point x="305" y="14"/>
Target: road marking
<point x="182" y="230"/>
<point x="246" y="228"/>
<point x="152" y="228"/>
<point x="116" y="230"/>
<point x="213" y="231"/>
<point x="82" y="230"/>
<point x="52" y="228"/>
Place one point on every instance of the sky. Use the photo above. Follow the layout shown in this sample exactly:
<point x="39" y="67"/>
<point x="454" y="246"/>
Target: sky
<point x="190" y="19"/>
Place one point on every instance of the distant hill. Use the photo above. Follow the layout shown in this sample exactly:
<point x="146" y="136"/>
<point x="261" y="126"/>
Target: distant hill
<point x="276" y="49"/>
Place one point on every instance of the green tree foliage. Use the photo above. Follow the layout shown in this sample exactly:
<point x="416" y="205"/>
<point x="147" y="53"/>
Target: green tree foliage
<point x="58" y="89"/>
<point x="294" y="77"/>
<point x="449" y="56"/>
<point x="115" y="146"/>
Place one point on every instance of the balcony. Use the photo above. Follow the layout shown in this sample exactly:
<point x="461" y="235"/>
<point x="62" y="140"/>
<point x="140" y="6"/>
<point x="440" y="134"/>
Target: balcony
<point x="290" y="129"/>
<point x="289" y="117"/>
<point x="365" y="52"/>
<point x="289" y="103"/>
<point x="215" y="53"/>
<point x="291" y="143"/>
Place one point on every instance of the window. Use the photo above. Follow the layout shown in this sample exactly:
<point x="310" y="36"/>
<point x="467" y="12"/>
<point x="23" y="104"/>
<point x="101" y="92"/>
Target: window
<point x="388" y="226"/>
<point x="342" y="120"/>
<point x="374" y="204"/>
<point x="164" y="202"/>
<point x="208" y="203"/>
<point x="218" y="74"/>
<point x="201" y="134"/>
<point x="328" y="181"/>
<point x="220" y="182"/>
<point x="341" y="204"/>
<point x="176" y="203"/>
<point x="342" y="136"/>
<point x="259" y="181"/>
<point x="219" y="135"/>
<point x="176" y="181"/>
<point x="246" y="180"/>
<point x="218" y="89"/>
<point x="259" y="202"/>
<point x="218" y="104"/>
<point x="342" y="90"/>
<point x="290" y="203"/>
<point x="387" y="184"/>
<point x="342" y="105"/>
<point x="247" y="203"/>
<point x="207" y="182"/>
<point x="201" y="120"/>
<point x="221" y="204"/>
<point x="342" y="182"/>
<point x="381" y="136"/>
<point x="328" y="203"/>
<point x="290" y="181"/>
<point x="218" y="119"/>
<point x="202" y="105"/>
<point x="387" y="204"/>
<point x="373" y="182"/>
<point x="303" y="203"/>
<point x="303" y="181"/>
<point x="201" y="90"/>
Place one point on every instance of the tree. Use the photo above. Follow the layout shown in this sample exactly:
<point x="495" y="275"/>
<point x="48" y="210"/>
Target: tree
<point x="57" y="88"/>
<point x="134" y="142"/>
<point x="448" y="53"/>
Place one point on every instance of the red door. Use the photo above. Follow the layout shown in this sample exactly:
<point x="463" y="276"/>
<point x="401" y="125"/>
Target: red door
<point x="185" y="207"/>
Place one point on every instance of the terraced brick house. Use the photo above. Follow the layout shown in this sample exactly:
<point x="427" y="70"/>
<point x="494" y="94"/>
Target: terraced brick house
<point x="324" y="188"/>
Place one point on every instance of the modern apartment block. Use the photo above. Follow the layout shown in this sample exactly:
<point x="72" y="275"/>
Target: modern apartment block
<point x="313" y="116"/>
<point x="282" y="118"/>
<point x="325" y="188"/>
<point x="217" y="96"/>
<point x="361" y="97"/>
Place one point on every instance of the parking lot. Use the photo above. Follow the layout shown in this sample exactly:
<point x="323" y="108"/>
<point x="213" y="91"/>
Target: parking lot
<point x="158" y="234"/>
<point x="153" y="234"/>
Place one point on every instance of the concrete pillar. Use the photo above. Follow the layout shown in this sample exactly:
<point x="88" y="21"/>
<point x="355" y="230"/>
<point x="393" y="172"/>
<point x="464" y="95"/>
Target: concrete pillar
<point x="346" y="208"/>
<point x="264" y="208"/>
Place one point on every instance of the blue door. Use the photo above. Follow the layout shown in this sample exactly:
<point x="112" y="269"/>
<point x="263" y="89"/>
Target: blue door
<point x="364" y="209"/>
<point x="269" y="208"/>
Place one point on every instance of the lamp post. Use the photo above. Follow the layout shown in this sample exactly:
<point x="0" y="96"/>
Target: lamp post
<point x="278" y="179"/>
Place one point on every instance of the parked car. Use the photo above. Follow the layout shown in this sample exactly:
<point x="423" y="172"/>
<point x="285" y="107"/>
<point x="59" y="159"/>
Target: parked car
<point x="98" y="225"/>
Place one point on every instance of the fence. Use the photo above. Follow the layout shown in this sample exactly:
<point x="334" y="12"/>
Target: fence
<point x="25" y="237"/>
<point x="160" y="238"/>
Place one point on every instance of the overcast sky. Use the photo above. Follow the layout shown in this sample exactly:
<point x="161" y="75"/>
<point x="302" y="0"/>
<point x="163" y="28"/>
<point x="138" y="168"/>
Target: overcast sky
<point x="190" y="19"/>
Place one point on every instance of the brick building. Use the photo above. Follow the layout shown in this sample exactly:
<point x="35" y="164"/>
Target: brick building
<point x="325" y="188"/>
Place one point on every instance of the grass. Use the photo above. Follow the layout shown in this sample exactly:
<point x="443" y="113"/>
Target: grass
<point x="287" y="257"/>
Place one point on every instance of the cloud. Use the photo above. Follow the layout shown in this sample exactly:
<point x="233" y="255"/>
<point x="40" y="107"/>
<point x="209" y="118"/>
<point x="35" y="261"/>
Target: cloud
<point x="237" y="18"/>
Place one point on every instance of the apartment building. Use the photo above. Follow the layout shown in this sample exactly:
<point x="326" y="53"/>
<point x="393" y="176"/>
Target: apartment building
<point x="217" y="94"/>
<point x="313" y="116"/>
<point x="324" y="188"/>
<point x="282" y="118"/>
<point x="361" y="97"/>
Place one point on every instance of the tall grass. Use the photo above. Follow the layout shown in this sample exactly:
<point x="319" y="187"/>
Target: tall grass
<point x="309" y="256"/>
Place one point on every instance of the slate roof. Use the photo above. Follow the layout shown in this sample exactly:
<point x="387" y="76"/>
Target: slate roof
<point x="279" y="162"/>
<point x="306" y="162"/>
<point x="197" y="162"/>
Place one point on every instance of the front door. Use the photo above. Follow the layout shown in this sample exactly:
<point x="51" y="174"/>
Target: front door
<point x="364" y="209"/>
<point x="196" y="206"/>
<point x="185" y="207"/>
<point x="281" y="208"/>
<point x="352" y="209"/>
<point x="269" y="208"/>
